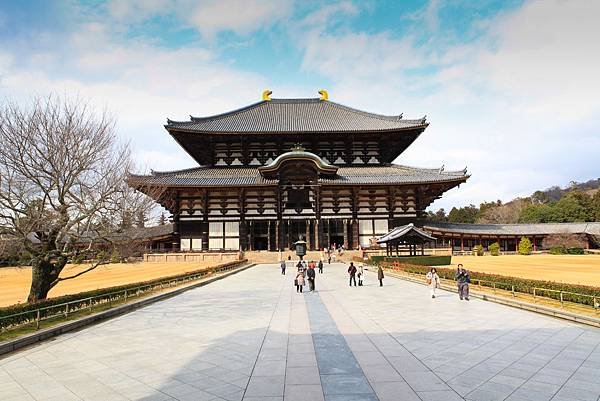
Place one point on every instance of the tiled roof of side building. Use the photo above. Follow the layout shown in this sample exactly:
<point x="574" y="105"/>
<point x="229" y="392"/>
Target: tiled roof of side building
<point x="295" y="115"/>
<point x="592" y="228"/>
<point x="250" y="176"/>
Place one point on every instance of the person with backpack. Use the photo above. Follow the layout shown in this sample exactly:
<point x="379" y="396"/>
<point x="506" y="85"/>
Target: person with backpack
<point x="352" y="273"/>
<point x="433" y="280"/>
<point x="462" y="280"/>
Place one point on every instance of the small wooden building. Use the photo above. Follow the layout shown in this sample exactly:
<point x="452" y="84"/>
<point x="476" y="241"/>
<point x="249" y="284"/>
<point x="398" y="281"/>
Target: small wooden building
<point x="406" y="239"/>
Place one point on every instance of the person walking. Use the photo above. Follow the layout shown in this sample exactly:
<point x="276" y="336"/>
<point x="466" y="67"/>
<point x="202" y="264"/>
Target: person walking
<point x="352" y="273"/>
<point x="380" y="276"/>
<point x="462" y="280"/>
<point x="361" y="274"/>
<point x="320" y="267"/>
<point x="300" y="274"/>
<point x="283" y="267"/>
<point x="433" y="280"/>
<point x="311" y="274"/>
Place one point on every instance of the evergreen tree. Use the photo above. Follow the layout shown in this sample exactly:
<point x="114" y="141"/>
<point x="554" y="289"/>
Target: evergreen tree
<point x="525" y="246"/>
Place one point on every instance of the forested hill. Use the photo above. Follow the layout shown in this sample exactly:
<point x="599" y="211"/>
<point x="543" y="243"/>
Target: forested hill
<point x="578" y="202"/>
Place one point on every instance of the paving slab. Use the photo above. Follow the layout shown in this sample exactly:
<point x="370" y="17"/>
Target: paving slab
<point x="251" y="337"/>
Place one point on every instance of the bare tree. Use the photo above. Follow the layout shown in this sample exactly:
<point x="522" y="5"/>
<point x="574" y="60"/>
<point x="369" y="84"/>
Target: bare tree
<point x="62" y="184"/>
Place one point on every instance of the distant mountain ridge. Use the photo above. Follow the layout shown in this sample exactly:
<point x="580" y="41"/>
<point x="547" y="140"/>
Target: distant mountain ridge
<point x="577" y="202"/>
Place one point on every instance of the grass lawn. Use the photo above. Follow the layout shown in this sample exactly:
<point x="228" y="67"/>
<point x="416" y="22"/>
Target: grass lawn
<point x="574" y="269"/>
<point x="15" y="281"/>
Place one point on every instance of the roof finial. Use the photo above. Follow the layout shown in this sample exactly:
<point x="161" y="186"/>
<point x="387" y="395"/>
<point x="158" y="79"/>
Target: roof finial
<point x="266" y="96"/>
<point x="324" y="94"/>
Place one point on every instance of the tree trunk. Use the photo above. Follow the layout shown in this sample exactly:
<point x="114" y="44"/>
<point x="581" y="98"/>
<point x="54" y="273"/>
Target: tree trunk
<point x="43" y="274"/>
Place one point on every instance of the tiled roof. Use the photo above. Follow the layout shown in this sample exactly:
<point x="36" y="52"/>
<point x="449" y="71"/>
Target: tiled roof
<point x="295" y="115"/>
<point x="250" y="176"/>
<point x="408" y="230"/>
<point x="516" y="229"/>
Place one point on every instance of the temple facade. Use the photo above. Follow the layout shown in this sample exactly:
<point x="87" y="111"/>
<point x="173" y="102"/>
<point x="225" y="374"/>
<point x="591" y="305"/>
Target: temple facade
<point x="279" y="169"/>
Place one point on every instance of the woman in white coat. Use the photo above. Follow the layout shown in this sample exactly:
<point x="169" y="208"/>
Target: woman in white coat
<point x="433" y="280"/>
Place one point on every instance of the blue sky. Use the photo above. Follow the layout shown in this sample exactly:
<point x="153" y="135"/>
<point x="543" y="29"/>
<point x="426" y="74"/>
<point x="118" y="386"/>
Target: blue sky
<point x="510" y="86"/>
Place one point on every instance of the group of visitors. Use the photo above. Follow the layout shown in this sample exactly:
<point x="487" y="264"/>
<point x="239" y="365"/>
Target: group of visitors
<point x="462" y="278"/>
<point x="306" y="273"/>
<point x="353" y="272"/>
<point x="332" y="250"/>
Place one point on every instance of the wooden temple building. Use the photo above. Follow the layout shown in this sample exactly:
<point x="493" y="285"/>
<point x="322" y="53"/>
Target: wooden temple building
<point x="279" y="169"/>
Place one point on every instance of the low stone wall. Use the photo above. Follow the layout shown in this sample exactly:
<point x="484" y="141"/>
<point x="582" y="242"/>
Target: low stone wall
<point x="191" y="257"/>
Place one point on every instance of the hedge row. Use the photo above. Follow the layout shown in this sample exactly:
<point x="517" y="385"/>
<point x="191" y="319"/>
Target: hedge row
<point x="413" y="260"/>
<point x="81" y="296"/>
<point x="520" y="284"/>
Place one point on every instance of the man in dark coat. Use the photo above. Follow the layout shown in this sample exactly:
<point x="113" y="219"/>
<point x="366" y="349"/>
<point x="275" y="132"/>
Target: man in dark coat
<point x="311" y="277"/>
<point x="352" y="273"/>
<point x="320" y="266"/>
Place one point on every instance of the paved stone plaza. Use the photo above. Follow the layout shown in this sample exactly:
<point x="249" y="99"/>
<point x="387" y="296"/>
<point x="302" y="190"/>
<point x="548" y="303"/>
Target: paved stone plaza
<point x="252" y="337"/>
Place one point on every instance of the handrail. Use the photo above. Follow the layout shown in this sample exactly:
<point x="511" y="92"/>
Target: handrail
<point x="37" y="315"/>
<point x="534" y="290"/>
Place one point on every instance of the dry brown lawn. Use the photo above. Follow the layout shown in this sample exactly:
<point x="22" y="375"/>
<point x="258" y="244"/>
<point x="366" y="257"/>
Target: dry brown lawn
<point x="574" y="269"/>
<point x="15" y="281"/>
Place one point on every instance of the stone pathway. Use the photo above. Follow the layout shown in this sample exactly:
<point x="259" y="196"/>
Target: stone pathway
<point x="252" y="337"/>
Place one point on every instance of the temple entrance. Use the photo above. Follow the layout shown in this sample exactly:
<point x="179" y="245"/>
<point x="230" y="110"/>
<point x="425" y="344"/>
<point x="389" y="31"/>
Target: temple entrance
<point x="296" y="228"/>
<point x="334" y="232"/>
<point x="260" y="236"/>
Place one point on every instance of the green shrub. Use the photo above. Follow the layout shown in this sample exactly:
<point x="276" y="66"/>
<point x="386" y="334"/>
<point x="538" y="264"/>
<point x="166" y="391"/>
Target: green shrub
<point x="414" y="260"/>
<point x="478" y="250"/>
<point x="115" y="256"/>
<point x="558" y="250"/>
<point x="525" y="246"/>
<point x="494" y="249"/>
<point x="575" y="251"/>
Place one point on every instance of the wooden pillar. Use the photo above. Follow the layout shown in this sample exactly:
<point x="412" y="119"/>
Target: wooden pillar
<point x="328" y="222"/>
<point x="278" y="235"/>
<point x="317" y="235"/>
<point x="176" y="244"/>
<point x="205" y="225"/>
<point x="269" y="235"/>
<point x="517" y="244"/>
<point x="308" y="247"/>
<point x="251" y="235"/>
<point x="462" y="243"/>
<point x="422" y="250"/>
<point x="345" y="226"/>
<point x="533" y="241"/>
<point x="355" y="236"/>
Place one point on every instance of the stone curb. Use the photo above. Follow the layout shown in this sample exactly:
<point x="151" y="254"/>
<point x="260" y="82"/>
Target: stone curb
<point x="41" y="335"/>
<point x="573" y="317"/>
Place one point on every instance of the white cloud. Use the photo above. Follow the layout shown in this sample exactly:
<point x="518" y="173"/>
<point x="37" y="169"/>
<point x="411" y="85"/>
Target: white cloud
<point x="505" y="105"/>
<point x="140" y="84"/>
<point x="239" y="16"/>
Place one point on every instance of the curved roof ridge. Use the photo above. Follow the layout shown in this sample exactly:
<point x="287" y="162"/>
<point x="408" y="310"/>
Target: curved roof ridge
<point x="299" y="101"/>
<point x="368" y="113"/>
<point x="220" y="115"/>
<point x="440" y="170"/>
<point x="183" y="170"/>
